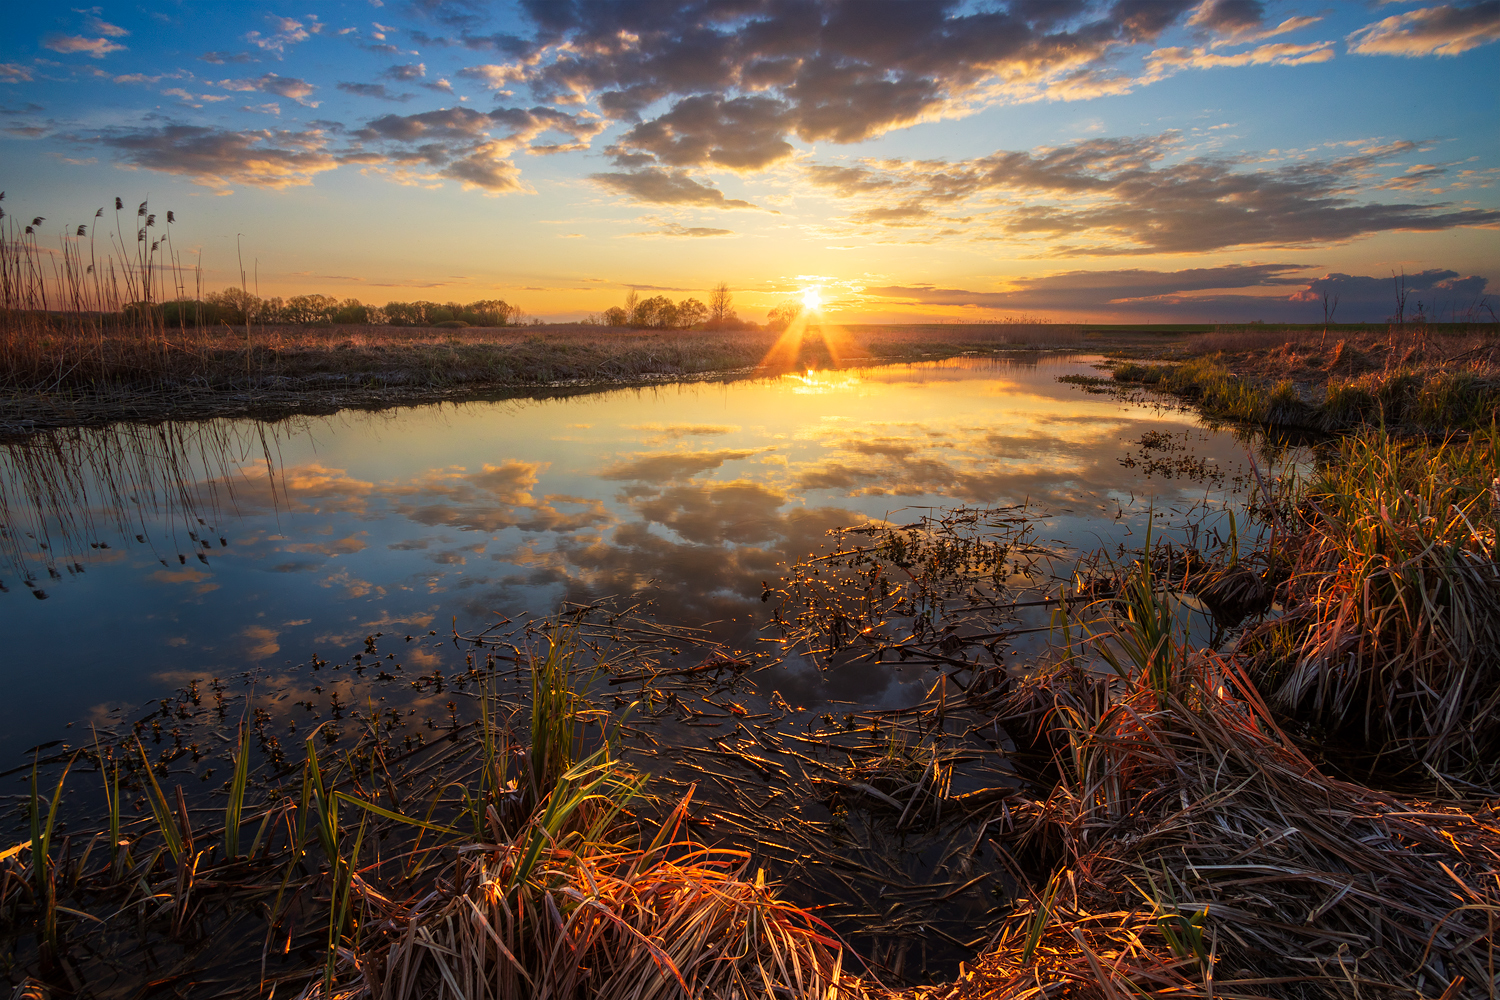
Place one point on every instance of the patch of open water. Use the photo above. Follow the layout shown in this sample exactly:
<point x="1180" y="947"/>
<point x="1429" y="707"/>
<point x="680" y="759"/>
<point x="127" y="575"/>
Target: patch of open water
<point x="140" y="559"/>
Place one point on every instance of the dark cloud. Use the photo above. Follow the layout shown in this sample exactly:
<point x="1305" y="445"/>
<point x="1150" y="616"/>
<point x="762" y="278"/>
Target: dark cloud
<point x="740" y="134"/>
<point x="1437" y="293"/>
<point x="666" y="187"/>
<point x="1141" y="204"/>
<point x="218" y="158"/>
<point x="737" y="513"/>
<point x="741" y="79"/>
<point x="406" y="73"/>
<point x="472" y="147"/>
<point x="1229" y="17"/>
<point x="221" y="58"/>
<point x="1213" y="294"/>
<point x="375" y="90"/>
<point x="464" y="14"/>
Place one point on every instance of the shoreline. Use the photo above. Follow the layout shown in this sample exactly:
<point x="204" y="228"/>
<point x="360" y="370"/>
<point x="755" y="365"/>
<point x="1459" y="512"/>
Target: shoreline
<point x="406" y="379"/>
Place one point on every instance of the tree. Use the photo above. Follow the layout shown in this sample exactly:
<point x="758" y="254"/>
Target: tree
<point x="781" y="317"/>
<point x="615" y="316"/>
<point x="720" y="304"/>
<point x="655" y="312"/>
<point x="691" y="312"/>
<point x="632" y="300"/>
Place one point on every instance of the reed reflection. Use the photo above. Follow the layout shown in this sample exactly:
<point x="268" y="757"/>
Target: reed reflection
<point x="69" y="496"/>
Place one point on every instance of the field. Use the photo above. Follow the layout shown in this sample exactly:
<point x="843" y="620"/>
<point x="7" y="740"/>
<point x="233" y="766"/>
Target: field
<point x="73" y="370"/>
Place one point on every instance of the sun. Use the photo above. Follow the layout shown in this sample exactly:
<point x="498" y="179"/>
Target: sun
<point x="812" y="300"/>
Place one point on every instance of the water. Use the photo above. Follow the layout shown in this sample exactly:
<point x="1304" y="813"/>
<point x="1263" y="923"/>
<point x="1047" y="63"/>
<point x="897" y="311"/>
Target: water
<point x="149" y="569"/>
<point x="200" y="551"/>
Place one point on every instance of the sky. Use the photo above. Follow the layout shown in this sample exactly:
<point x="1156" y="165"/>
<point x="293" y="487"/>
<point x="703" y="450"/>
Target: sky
<point x="1127" y="161"/>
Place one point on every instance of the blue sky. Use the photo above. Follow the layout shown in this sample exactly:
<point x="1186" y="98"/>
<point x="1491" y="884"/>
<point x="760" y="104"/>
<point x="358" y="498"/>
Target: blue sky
<point x="1225" y="160"/>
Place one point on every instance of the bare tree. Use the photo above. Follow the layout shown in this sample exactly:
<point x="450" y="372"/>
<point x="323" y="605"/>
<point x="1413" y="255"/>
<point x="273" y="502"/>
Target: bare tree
<point x="1401" y="293"/>
<point x="631" y="301"/>
<point x="720" y="303"/>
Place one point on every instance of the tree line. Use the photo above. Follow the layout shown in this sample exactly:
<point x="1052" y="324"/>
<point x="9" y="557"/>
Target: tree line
<point x="235" y="306"/>
<point x="660" y="313"/>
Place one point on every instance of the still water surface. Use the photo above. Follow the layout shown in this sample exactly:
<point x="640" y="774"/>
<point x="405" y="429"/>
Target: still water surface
<point x="187" y="551"/>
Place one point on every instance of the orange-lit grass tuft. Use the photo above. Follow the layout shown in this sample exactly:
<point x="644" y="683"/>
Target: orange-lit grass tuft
<point x="671" y="919"/>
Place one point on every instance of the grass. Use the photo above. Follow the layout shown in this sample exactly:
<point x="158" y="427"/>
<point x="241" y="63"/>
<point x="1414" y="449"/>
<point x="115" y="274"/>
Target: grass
<point x="530" y="864"/>
<point x="1427" y="379"/>
<point x="1391" y="634"/>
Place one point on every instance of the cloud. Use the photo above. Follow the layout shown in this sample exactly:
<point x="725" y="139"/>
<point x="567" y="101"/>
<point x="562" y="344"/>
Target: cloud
<point x="656" y="186"/>
<point x="493" y="76"/>
<point x="687" y="430"/>
<point x="217" y="158"/>
<point x="1443" y="30"/>
<point x="14" y="73"/>
<point x="375" y="90"/>
<point x="342" y="547"/>
<point x="407" y="73"/>
<point x="96" y="47"/>
<point x="286" y="32"/>
<point x="663" y="467"/>
<point x="94" y="24"/>
<point x="1164" y="62"/>
<point x="493" y="499"/>
<point x="1228" y="16"/>
<point x="1119" y="196"/>
<point x="289" y="87"/>
<point x="745" y="133"/>
<point x="260" y="642"/>
<point x="1223" y="293"/>
<point x="729" y="87"/>
<point x="220" y="58"/>
<point x="676" y="229"/>
<point x="460" y="143"/>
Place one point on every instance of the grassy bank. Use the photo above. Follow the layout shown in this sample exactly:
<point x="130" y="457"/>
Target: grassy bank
<point x="78" y="369"/>
<point x="1419" y="378"/>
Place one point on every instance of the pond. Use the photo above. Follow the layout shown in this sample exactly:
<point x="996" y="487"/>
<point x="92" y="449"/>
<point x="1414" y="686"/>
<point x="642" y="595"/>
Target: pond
<point x="141" y="561"/>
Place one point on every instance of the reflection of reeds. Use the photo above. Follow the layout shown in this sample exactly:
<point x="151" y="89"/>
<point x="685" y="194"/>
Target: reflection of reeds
<point x="62" y="490"/>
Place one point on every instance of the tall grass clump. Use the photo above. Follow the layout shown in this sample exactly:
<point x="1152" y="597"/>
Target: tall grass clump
<point x="1391" y="637"/>
<point x="1194" y="849"/>
<point x="567" y="911"/>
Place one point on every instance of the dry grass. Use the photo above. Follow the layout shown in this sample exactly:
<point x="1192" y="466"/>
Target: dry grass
<point x="1196" y="849"/>
<point x="671" y="919"/>
<point x="1391" y="636"/>
<point x="1419" y="377"/>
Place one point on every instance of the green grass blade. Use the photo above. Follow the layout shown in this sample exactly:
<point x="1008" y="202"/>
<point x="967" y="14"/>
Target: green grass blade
<point x="236" y="804"/>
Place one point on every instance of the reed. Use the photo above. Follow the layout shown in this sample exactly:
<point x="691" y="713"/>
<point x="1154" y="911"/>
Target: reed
<point x="1416" y="378"/>
<point x="1391" y="637"/>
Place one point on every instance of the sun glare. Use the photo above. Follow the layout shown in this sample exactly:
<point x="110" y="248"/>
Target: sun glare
<point x="812" y="301"/>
